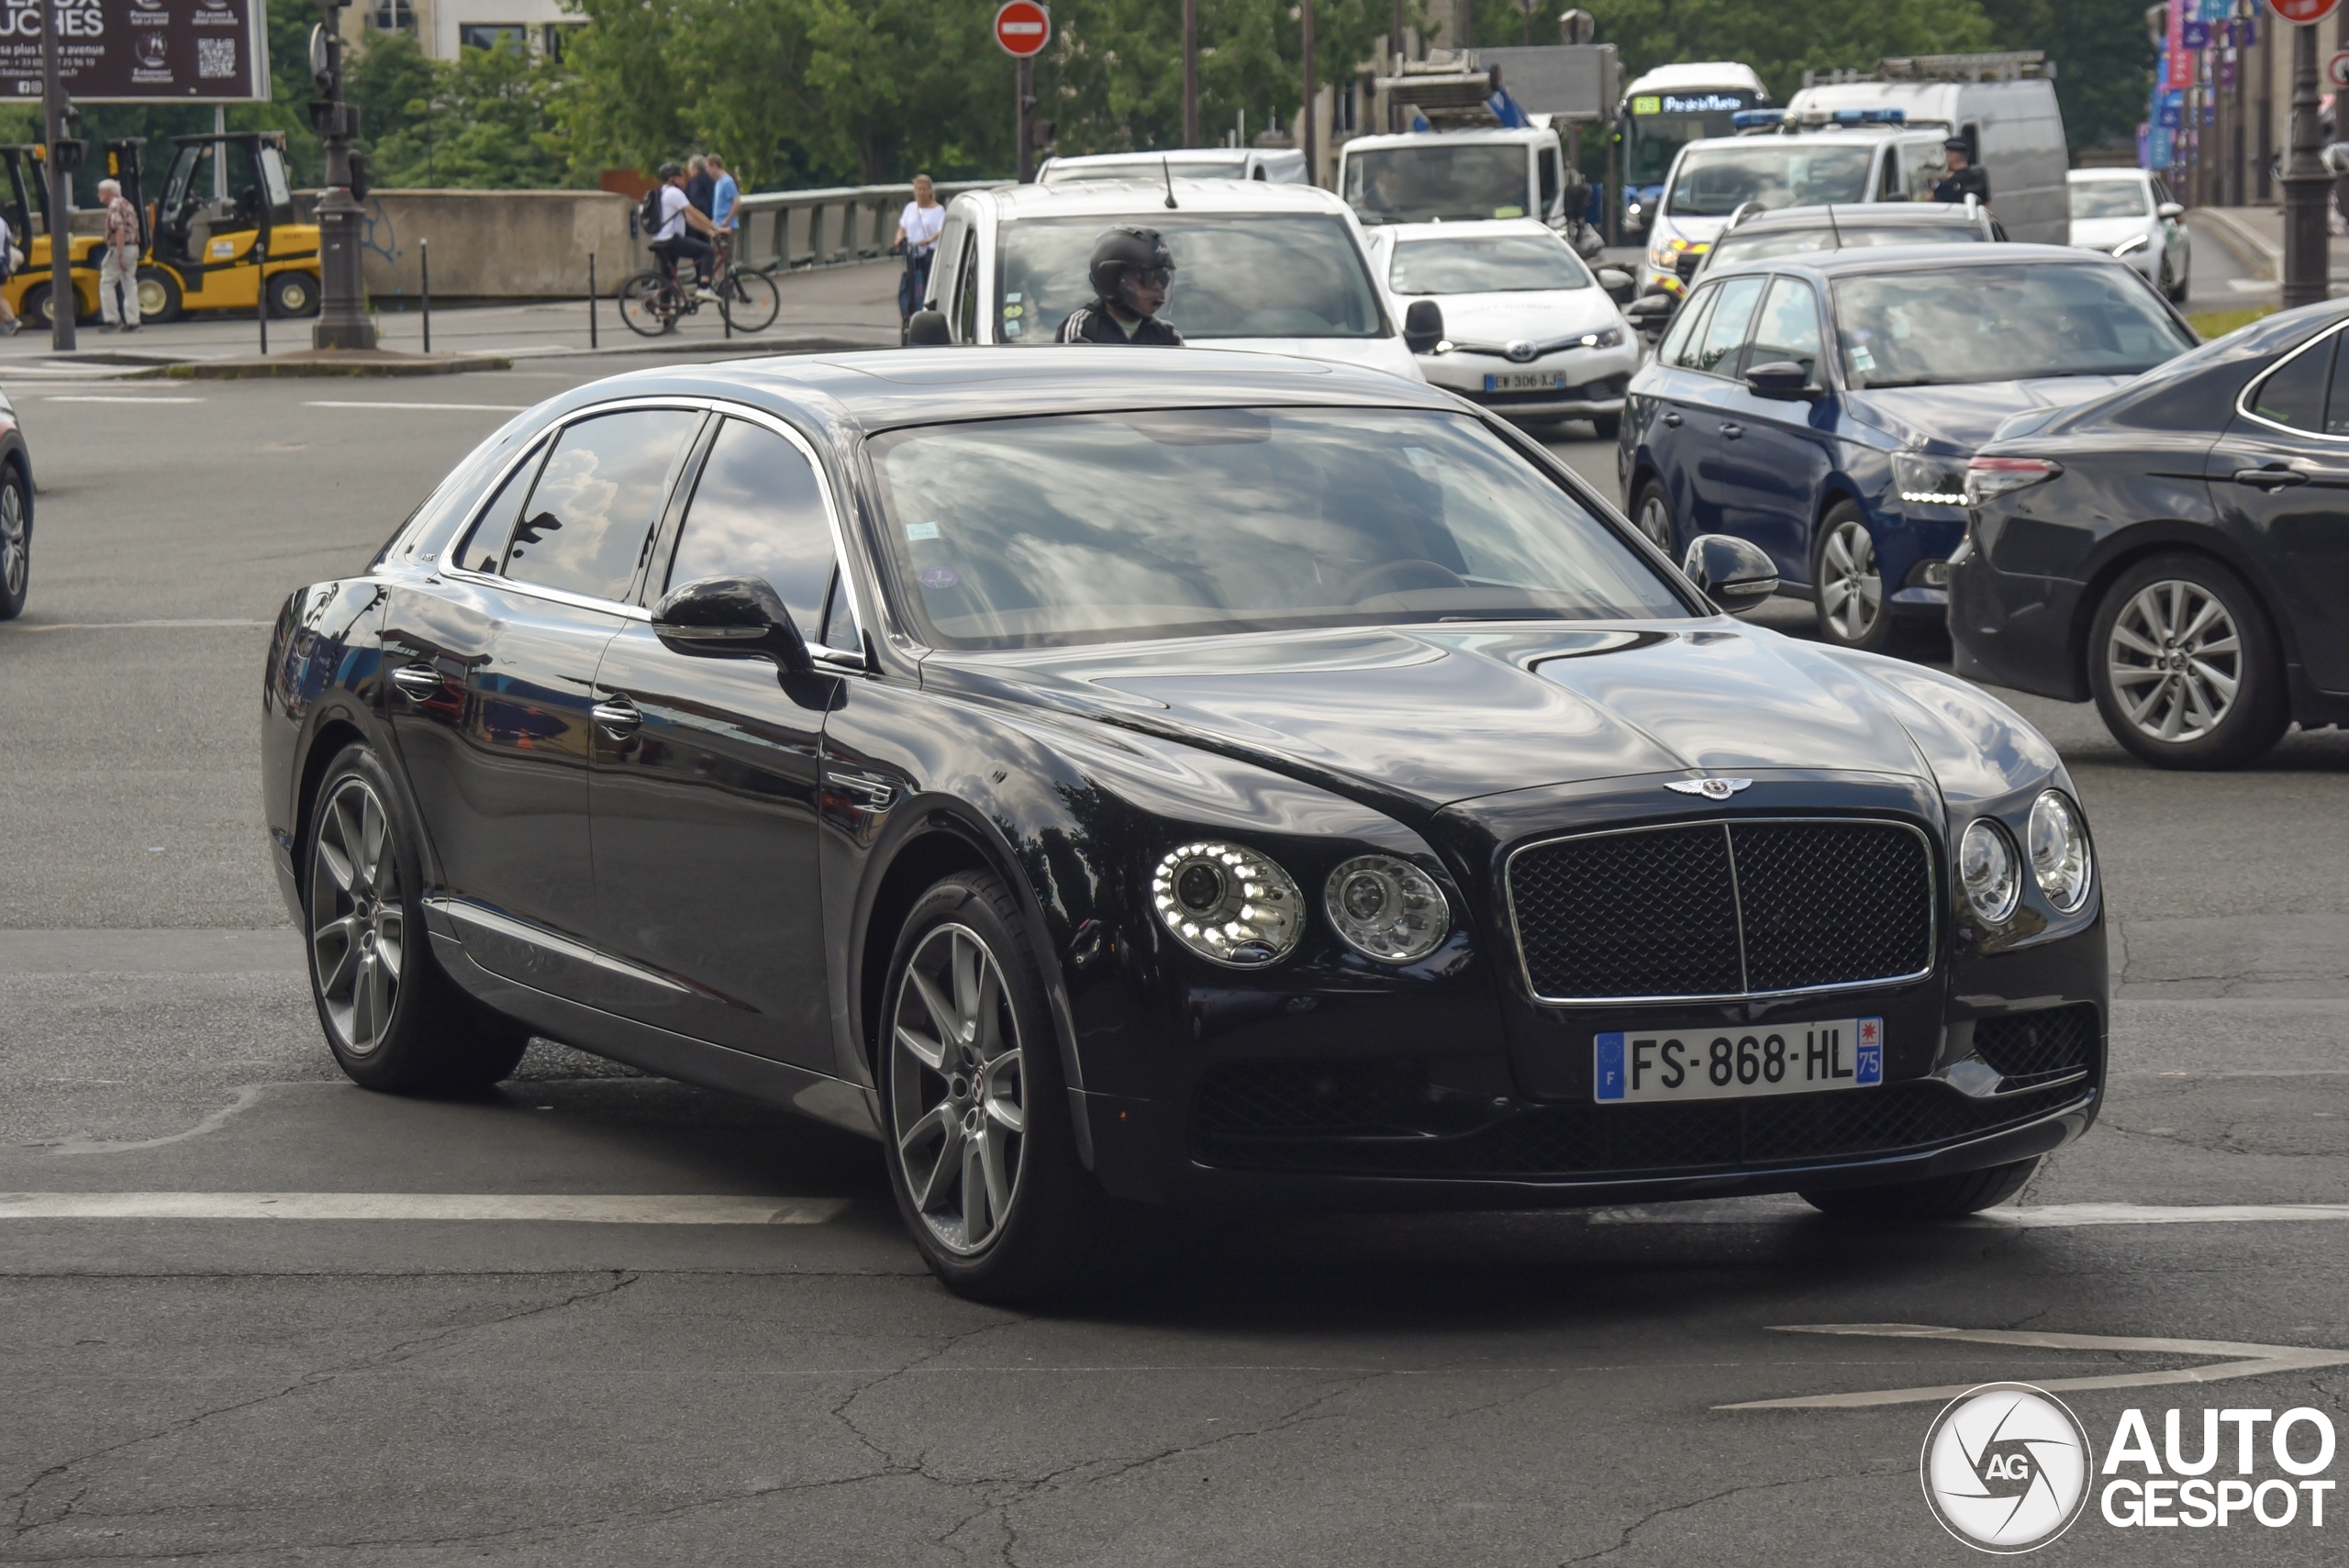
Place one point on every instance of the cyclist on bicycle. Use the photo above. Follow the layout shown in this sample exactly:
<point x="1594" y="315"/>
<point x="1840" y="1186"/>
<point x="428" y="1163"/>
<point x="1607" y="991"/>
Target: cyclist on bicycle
<point x="681" y="235"/>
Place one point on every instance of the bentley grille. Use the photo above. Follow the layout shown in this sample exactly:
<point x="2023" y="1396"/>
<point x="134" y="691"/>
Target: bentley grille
<point x="1709" y="910"/>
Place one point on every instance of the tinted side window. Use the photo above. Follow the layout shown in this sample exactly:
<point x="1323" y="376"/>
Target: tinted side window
<point x="839" y="620"/>
<point x="1549" y="180"/>
<point x="1676" y="349"/>
<point x="593" y="511"/>
<point x="950" y="242"/>
<point x="1789" y="329"/>
<point x="756" y="513"/>
<point x="2336" y="417"/>
<point x="485" y="548"/>
<point x="2294" y="394"/>
<point x="1724" y="334"/>
<point x="966" y="293"/>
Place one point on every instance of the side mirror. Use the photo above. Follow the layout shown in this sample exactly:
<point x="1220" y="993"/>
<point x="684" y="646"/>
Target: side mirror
<point x="1732" y="573"/>
<point x="1619" y="285"/>
<point x="928" y="331"/>
<point x="1423" y="327"/>
<point x="1650" y="312"/>
<point x="1782" y="381"/>
<point x="730" y="618"/>
<point x="2169" y="209"/>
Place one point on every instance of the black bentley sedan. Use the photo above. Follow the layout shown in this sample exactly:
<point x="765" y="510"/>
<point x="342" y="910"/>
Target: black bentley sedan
<point x="1112" y="778"/>
<point x="2176" y="548"/>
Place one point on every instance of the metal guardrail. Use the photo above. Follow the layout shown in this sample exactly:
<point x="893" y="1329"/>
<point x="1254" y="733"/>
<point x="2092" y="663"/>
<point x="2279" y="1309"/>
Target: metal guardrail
<point x="830" y="227"/>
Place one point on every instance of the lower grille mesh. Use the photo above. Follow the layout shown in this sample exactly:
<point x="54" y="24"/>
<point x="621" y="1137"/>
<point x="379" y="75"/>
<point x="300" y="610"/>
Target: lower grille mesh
<point x="2026" y="1045"/>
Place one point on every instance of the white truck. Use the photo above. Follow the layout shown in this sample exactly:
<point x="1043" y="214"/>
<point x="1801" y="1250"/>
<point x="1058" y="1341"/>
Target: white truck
<point x="1457" y="176"/>
<point x="2002" y="105"/>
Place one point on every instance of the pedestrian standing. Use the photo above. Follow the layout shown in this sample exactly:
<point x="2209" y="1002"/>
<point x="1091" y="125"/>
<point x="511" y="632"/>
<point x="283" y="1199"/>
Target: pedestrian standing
<point x="723" y="195"/>
<point x="917" y="229"/>
<point x="119" y="260"/>
<point x="699" y="186"/>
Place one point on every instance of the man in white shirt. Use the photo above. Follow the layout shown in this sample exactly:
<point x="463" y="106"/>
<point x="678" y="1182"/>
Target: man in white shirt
<point x="917" y="229"/>
<point x="680" y="237"/>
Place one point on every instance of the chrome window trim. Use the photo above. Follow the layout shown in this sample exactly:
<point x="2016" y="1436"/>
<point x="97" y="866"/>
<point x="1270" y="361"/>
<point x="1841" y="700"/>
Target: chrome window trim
<point x="1932" y="912"/>
<point x="852" y="659"/>
<point x="2244" y="400"/>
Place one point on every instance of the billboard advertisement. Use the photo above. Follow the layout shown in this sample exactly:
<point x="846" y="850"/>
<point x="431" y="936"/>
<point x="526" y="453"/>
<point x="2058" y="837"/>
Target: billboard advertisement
<point x="141" y="52"/>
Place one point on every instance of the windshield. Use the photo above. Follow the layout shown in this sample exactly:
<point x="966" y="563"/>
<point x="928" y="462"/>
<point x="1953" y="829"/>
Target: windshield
<point x="2001" y="323"/>
<point x="1046" y="532"/>
<point x="2109" y="198"/>
<point x="1149" y="169"/>
<point x="1507" y="263"/>
<point x="1658" y="125"/>
<point x="1714" y="182"/>
<point x="1250" y="276"/>
<point x="1454" y="182"/>
<point x="1759" y="247"/>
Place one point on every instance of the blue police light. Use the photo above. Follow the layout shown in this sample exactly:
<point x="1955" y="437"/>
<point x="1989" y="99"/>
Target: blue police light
<point x="1871" y="117"/>
<point x="1753" y="120"/>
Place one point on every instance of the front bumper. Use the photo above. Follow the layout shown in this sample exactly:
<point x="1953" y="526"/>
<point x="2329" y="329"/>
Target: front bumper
<point x="1593" y="383"/>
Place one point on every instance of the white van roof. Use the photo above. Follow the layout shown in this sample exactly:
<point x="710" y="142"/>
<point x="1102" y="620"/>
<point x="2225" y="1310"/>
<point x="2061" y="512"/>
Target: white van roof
<point x="1139" y="166"/>
<point x="1930" y="103"/>
<point x="1702" y="73"/>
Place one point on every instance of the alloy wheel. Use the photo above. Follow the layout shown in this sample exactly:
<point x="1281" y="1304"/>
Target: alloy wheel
<point x="1849" y="591"/>
<point x="2176" y="661"/>
<point x="958" y="1092"/>
<point x="358" y="923"/>
<point x="1655" y="520"/>
<point x="16" y="558"/>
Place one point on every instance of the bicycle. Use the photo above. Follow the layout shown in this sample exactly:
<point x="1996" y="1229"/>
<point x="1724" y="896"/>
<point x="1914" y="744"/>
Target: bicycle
<point x="652" y="300"/>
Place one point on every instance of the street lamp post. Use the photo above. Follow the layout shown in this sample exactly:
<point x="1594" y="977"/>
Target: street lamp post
<point x="2306" y="260"/>
<point x="342" y="319"/>
<point x="1312" y="140"/>
<point x="63" y="304"/>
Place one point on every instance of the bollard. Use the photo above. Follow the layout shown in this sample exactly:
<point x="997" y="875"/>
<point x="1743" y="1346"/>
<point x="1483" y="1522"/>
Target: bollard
<point x="591" y="299"/>
<point x="424" y="291"/>
<point x="260" y="293"/>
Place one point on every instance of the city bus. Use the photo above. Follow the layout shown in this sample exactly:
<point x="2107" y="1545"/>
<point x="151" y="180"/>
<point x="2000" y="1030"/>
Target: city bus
<point x="1664" y="110"/>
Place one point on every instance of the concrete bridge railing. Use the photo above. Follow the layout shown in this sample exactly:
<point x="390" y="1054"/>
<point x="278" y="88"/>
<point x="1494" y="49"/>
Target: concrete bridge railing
<point x="830" y="227"/>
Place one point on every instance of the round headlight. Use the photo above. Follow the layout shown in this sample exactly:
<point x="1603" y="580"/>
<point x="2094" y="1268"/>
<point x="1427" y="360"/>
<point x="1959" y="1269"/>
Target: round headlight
<point x="2059" y="852"/>
<point x="1386" y="908"/>
<point x="1229" y="903"/>
<point x="1987" y="869"/>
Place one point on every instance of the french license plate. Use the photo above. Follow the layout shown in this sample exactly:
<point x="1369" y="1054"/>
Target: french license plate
<point x="1525" y="381"/>
<point x="1646" y="1066"/>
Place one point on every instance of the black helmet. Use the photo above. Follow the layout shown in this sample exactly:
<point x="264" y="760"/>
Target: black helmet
<point x="671" y="169"/>
<point x="1120" y="250"/>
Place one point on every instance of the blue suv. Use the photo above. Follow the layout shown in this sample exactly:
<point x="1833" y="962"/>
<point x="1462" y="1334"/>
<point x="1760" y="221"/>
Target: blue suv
<point x="1825" y="407"/>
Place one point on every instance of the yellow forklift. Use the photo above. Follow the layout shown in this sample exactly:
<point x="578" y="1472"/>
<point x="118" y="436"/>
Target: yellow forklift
<point x="198" y="251"/>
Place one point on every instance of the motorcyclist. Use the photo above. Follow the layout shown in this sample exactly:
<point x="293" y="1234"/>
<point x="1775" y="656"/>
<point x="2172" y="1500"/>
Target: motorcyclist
<point x="1131" y="272"/>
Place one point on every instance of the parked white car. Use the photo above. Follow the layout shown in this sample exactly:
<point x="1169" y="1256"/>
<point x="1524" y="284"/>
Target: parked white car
<point x="2128" y="214"/>
<point x="1529" y="331"/>
<point x="1282" y="166"/>
<point x="1259" y="265"/>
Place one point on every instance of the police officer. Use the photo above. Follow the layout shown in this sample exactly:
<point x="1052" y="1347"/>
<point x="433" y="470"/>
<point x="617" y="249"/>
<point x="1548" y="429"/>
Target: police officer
<point x="1963" y="179"/>
<point x="1132" y="269"/>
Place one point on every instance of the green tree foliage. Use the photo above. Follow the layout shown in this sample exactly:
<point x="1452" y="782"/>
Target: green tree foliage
<point x="484" y="121"/>
<point x="2106" y="62"/>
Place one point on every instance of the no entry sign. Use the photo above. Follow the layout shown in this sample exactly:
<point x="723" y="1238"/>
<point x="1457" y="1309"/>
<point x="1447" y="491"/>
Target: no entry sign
<point x="2300" y="13"/>
<point x="1024" y="28"/>
<point x="2336" y="70"/>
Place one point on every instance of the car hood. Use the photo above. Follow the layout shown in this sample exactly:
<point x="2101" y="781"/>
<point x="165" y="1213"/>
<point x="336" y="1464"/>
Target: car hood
<point x="1417" y="718"/>
<point x="2108" y="230"/>
<point x="1957" y="419"/>
<point x="1538" y="315"/>
<point x="1386" y="354"/>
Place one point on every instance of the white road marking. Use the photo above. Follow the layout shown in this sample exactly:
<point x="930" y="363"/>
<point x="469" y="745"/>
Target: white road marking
<point x="2048" y="1216"/>
<point x="2254" y="1361"/>
<point x="585" y="1208"/>
<point x="466" y="408"/>
<point x="108" y="397"/>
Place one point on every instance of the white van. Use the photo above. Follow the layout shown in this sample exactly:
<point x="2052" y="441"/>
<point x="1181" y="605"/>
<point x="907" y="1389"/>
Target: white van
<point x="1455" y="176"/>
<point x="2012" y="124"/>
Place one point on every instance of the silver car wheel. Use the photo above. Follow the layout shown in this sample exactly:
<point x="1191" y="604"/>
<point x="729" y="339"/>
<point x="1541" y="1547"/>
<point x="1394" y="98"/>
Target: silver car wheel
<point x="1849" y="591"/>
<point x="358" y="923"/>
<point x="16" y="560"/>
<point x="958" y="1096"/>
<point x="1655" y="520"/>
<point x="2175" y="658"/>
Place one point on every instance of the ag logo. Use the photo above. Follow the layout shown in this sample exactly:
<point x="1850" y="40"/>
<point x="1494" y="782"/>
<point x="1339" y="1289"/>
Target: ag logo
<point x="2006" y="1467"/>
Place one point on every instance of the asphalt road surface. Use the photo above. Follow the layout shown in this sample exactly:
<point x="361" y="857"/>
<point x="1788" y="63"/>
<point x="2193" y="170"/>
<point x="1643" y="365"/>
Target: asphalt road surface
<point x="468" y="1349"/>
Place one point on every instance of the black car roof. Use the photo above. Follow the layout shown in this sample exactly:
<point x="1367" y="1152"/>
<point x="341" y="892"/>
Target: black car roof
<point x="883" y="389"/>
<point x="1917" y="259"/>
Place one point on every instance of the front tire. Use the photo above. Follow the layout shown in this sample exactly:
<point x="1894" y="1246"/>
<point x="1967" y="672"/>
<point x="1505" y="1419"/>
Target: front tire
<point x="293" y="294"/>
<point x="159" y="296"/>
<point x="1942" y="1197"/>
<point x="1848" y="585"/>
<point x="2185" y="665"/>
<point x="982" y="1154"/>
<point x="15" y="541"/>
<point x="393" y="1020"/>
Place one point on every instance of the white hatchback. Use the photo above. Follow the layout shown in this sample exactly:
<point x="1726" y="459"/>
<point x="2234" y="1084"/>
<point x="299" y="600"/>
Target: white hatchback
<point x="1528" y="331"/>
<point x="2128" y="215"/>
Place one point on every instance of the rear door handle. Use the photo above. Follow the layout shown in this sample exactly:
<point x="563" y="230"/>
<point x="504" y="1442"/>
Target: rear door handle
<point x="2275" y="477"/>
<point x="1673" y="421"/>
<point x="1732" y="431"/>
<point x="419" y="682"/>
<point x="619" y="717"/>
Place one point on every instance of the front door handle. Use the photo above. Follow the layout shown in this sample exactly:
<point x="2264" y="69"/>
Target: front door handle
<point x="619" y="717"/>
<point x="2275" y="476"/>
<point x="419" y="683"/>
<point x="1731" y="432"/>
<point x="1673" y="421"/>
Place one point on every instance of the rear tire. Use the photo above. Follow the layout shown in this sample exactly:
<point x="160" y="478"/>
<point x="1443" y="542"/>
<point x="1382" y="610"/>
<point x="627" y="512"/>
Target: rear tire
<point x="392" y="1019"/>
<point x="15" y="541"/>
<point x="2225" y="703"/>
<point x="1651" y="515"/>
<point x="1942" y="1197"/>
<point x="647" y="308"/>
<point x="982" y="1154"/>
